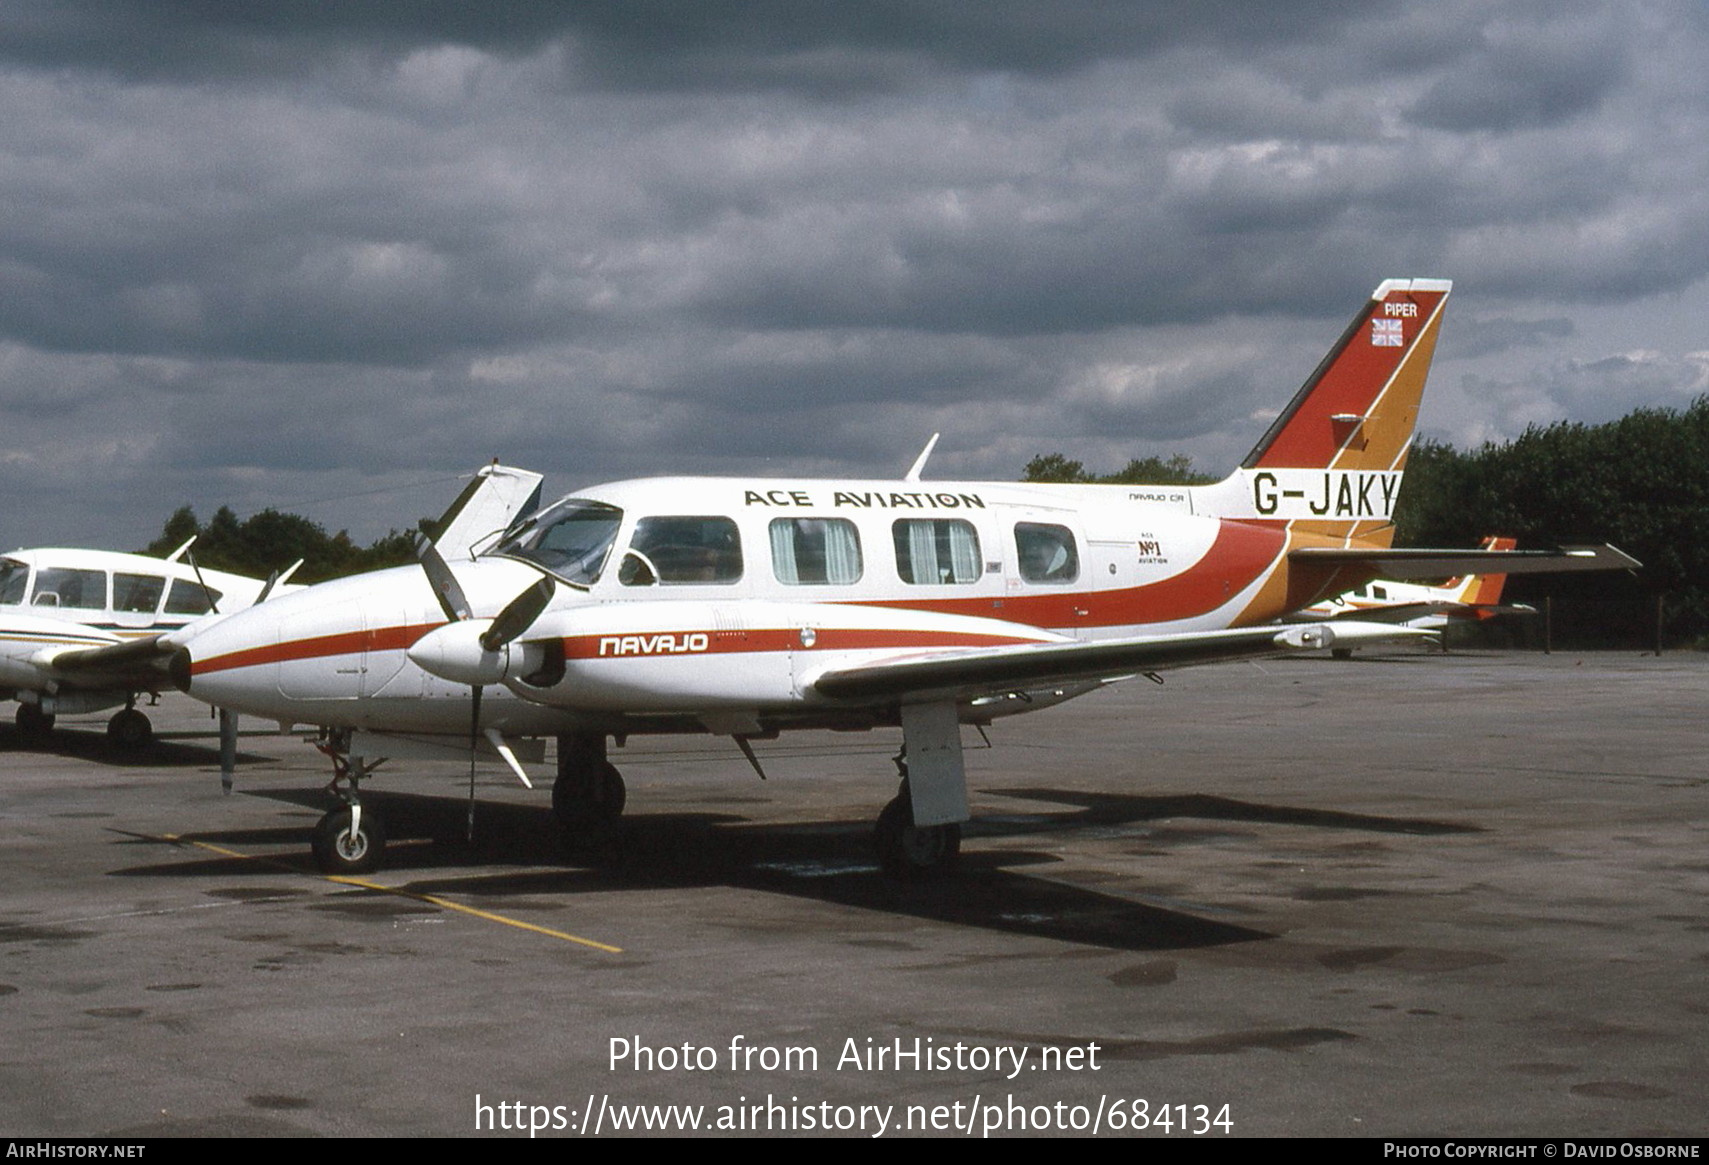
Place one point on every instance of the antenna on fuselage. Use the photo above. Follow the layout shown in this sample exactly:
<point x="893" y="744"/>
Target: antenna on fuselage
<point x="919" y="466"/>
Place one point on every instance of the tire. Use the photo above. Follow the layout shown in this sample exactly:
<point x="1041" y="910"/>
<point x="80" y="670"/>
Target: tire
<point x="590" y="799"/>
<point x="33" y="723"/>
<point x="129" y="729"/>
<point x="914" y="853"/>
<point x="336" y="852"/>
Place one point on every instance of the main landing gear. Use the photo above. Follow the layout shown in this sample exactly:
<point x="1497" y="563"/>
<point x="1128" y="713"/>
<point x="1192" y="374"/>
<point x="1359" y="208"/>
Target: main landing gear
<point x="33" y="724"/>
<point x="348" y="840"/>
<point x="909" y="852"/>
<point x="129" y="728"/>
<point x="588" y="796"/>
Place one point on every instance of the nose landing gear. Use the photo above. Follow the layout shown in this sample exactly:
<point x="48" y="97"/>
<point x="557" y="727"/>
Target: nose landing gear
<point x="348" y="840"/>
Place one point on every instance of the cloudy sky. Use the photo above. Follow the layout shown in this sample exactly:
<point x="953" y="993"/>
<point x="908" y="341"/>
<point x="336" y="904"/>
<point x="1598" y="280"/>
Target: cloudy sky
<point x="326" y="257"/>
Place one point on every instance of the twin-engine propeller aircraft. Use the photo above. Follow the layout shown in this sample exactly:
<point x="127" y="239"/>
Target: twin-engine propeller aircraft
<point x="77" y="629"/>
<point x="81" y="630"/>
<point x="745" y="607"/>
<point x="1470" y="598"/>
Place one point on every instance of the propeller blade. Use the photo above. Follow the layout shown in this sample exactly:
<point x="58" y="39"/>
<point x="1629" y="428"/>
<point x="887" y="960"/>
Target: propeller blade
<point x="474" y="735"/>
<point x="445" y="586"/>
<point x="518" y="615"/>
<point x="228" y="747"/>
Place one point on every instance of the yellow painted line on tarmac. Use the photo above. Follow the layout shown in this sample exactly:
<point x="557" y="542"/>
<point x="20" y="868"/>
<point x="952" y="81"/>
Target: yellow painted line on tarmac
<point x="431" y="899"/>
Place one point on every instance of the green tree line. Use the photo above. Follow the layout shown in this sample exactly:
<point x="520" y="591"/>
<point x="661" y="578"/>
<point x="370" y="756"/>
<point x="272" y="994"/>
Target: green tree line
<point x="1640" y="482"/>
<point x="272" y="540"/>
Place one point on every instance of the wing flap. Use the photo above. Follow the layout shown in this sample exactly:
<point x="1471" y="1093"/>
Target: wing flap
<point x="986" y="671"/>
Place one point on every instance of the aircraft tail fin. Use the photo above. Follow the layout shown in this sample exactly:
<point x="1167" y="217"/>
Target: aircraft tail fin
<point x="1483" y="590"/>
<point x="1331" y="462"/>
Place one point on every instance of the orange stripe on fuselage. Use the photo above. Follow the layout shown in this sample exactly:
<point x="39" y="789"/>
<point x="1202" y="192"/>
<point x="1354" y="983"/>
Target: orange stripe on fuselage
<point x="1239" y="556"/>
<point x="321" y="646"/>
<point x="770" y="639"/>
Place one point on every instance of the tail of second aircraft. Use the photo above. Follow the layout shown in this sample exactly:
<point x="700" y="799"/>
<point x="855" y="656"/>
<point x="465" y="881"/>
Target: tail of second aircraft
<point x="1481" y="590"/>
<point x="1331" y="462"/>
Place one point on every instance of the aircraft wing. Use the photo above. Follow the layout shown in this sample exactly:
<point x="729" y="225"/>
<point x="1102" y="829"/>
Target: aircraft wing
<point x="1416" y="564"/>
<point x="979" y="672"/>
<point x="139" y="664"/>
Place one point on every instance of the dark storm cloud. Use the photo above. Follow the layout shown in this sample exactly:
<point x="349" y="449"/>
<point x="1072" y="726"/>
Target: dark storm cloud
<point x="1480" y="337"/>
<point x="826" y="46"/>
<point x="307" y="247"/>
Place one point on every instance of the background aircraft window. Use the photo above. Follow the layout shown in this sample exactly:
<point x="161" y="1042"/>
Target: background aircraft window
<point x="137" y="592"/>
<point x="936" y="550"/>
<point x="683" y="550"/>
<point x="815" y="550"/>
<point x="60" y="587"/>
<point x="571" y="540"/>
<point x="14" y="577"/>
<point x="1046" y="552"/>
<point x="189" y="598"/>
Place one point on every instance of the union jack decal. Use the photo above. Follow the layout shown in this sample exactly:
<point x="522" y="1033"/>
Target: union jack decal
<point x="1386" y="334"/>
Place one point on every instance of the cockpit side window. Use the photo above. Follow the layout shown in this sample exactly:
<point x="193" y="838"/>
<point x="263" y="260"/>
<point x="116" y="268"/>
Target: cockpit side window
<point x="57" y="586"/>
<point x="570" y="540"/>
<point x="672" y="550"/>
<point x="188" y="598"/>
<point x="137" y="593"/>
<point x="14" y="578"/>
<point x="1046" y="552"/>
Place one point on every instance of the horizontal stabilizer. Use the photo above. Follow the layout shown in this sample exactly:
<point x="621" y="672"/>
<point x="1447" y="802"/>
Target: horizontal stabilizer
<point x="1415" y="564"/>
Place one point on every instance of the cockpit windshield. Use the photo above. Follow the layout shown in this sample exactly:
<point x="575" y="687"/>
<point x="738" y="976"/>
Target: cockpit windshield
<point x="14" y="577"/>
<point x="571" y="540"/>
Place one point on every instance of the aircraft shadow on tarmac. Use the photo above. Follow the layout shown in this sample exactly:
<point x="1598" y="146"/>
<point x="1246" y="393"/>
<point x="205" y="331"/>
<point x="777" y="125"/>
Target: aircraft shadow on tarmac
<point x="90" y="744"/>
<point x="825" y="861"/>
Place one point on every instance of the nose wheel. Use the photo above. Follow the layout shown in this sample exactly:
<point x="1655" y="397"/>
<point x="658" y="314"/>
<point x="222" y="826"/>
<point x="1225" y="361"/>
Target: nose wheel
<point x="349" y="839"/>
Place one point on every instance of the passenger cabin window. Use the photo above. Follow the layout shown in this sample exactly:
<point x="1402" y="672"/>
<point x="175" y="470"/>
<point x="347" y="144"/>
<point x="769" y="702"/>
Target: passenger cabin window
<point x="674" y="551"/>
<point x="807" y="551"/>
<point x="1379" y="592"/>
<point x="190" y="598"/>
<point x="570" y="540"/>
<point x="1046" y="553"/>
<point x="14" y="579"/>
<point x="137" y="593"/>
<point x="61" y="587"/>
<point x="934" y="551"/>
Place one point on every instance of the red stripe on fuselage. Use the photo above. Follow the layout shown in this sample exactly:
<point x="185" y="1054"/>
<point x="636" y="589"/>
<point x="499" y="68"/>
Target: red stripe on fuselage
<point x="343" y="643"/>
<point x="1240" y="554"/>
<point x="723" y="642"/>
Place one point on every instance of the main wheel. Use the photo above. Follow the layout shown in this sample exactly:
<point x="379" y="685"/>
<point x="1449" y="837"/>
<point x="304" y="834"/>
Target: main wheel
<point x="914" y="852"/>
<point x="129" y="729"/>
<point x="337" y="851"/>
<point x="589" y="799"/>
<point x="33" y="723"/>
